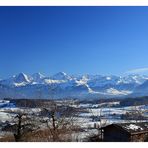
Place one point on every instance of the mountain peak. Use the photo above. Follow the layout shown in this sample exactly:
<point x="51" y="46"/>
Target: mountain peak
<point x="62" y="73"/>
<point x="76" y="86"/>
<point x="21" y="77"/>
<point x="37" y="77"/>
<point x="21" y="74"/>
<point x="60" y="76"/>
<point x="38" y="74"/>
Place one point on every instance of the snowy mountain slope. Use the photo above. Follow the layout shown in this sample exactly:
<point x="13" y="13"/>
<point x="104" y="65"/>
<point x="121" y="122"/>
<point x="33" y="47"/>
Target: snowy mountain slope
<point x="60" y="76"/>
<point x="37" y="78"/>
<point x="17" y="80"/>
<point x="141" y="90"/>
<point x="62" y="85"/>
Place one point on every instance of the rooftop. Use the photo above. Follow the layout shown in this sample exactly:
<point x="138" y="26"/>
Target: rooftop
<point x="133" y="128"/>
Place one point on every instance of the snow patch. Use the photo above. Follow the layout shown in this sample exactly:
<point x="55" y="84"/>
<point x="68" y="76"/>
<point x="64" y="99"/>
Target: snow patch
<point x="113" y="91"/>
<point x="133" y="127"/>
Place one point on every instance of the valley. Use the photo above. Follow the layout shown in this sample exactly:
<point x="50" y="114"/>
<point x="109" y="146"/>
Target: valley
<point x="85" y="117"/>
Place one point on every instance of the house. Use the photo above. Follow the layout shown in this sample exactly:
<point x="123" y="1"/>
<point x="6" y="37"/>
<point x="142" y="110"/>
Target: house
<point x="125" y="132"/>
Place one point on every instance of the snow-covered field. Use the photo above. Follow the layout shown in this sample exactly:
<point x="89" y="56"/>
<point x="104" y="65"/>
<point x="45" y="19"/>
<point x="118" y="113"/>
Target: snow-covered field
<point x="107" y="115"/>
<point x="94" y="115"/>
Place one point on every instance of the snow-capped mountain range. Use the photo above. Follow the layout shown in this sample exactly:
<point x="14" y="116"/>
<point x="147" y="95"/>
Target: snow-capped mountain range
<point x="62" y="85"/>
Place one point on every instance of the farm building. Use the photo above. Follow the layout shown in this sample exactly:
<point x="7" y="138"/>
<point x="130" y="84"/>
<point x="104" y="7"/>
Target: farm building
<point x="125" y="132"/>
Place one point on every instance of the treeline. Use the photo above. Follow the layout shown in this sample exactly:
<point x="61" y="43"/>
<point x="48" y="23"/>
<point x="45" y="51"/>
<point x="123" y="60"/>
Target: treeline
<point x="98" y="101"/>
<point x="41" y="102"/>
<point x="134" y="101"/>
<point x="30" y="103"/>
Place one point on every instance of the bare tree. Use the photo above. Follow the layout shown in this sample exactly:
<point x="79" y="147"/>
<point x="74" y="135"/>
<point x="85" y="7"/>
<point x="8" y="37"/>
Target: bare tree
<point x="61" y="120"/>
<point x="23" y="121"/>
<point x="19" y="132"/>
<point x="24" y="124"/>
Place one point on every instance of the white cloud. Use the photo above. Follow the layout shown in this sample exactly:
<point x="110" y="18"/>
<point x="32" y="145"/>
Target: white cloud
<point x="138" y="70"/>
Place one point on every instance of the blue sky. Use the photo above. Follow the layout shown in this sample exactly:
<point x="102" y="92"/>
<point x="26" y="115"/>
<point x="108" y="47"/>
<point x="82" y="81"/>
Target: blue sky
<point x="76" y="40"/>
